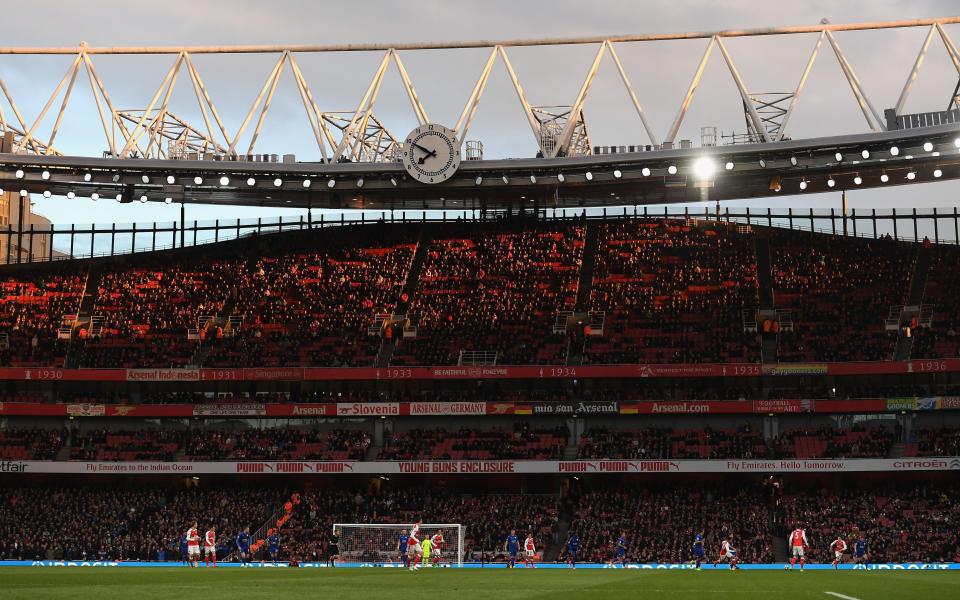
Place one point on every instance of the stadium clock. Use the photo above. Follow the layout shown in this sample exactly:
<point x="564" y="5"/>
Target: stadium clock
<point x="431" y="153"/>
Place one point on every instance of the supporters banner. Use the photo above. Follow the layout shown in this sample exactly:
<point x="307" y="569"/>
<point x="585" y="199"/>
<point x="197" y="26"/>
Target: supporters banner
<point x="368" y="409"/>
<point x="403" y="409"/>
<point x="301" y="410"/>
<point x="487" y="466"/>
<point x="230" y="410"/>
<point x="912" y="403"/>
<point x="86" y="410"/>
<point x="687" y="407"/>
<point x="163" y="375"/>
<point x="796" y="369"/>
<point x="783" y="406"/>
<point x="445" y="408"/>
<point x="575" y="408"/>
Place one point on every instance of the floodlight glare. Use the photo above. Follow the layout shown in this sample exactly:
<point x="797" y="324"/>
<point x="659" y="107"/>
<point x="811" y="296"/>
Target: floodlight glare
<point x="704" y="168"/>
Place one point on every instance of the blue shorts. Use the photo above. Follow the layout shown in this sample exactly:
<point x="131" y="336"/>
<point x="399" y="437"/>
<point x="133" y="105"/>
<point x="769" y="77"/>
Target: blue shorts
<point x="245" y="549"/>
<point x="621" y="553"/>
<point x="512" y="552"/>
<point x="698" y="552"/>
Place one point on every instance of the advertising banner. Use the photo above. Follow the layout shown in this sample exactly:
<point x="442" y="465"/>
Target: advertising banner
<point x="480" y="467"/>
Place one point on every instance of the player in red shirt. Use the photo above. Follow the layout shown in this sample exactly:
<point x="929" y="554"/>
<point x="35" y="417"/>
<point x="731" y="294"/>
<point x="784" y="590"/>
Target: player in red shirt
<point x="414" y="551"/>
<point x="529" y="551"/>
<point x="797" y="542"/>
<point x="193" y="546"/>
<point x="436" y="543"/>
<point x="210" y="546"/>
<point x="839" y="546"/>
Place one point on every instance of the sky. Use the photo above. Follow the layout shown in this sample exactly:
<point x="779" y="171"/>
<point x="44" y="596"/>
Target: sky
<point x="660" y="73"/>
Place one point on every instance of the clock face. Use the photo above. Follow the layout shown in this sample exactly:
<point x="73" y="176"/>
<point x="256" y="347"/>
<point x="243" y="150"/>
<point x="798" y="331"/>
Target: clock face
<point x="431" y="153"/>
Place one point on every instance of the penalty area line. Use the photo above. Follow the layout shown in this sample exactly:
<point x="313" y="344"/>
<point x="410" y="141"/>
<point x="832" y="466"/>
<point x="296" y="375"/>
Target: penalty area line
<point x="841" y="596"/>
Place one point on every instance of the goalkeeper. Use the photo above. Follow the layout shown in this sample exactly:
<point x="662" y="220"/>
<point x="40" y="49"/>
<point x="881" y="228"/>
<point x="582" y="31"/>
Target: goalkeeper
<point x="427" y="546"/>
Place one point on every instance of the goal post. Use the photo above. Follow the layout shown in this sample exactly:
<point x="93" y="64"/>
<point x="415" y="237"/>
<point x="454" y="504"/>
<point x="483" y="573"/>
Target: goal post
<point x="376" y="543"/>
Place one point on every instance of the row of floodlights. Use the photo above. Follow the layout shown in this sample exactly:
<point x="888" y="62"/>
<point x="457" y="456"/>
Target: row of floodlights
<point x="703" y="168"/>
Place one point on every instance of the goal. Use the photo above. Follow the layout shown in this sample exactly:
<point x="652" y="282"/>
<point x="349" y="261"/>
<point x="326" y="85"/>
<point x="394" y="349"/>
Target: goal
<point x="376" y="544"/>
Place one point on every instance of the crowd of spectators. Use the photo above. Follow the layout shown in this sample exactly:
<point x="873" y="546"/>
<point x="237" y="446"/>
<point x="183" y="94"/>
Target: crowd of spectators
<point x="298" y="300"/>
<point x="658" y="442"/>
<point x="830" y="442"/>
<point x="518" y="441"/>
<point x="32" y="310"/>
<point x="673" y="292"/>
<point x="901" y="523"/>
<point x="126" y="445"/>
<point x="839" y="291"/>
<point x="494" y="288"/>
<point x="934" y="441"/>
<point x="522" y="443"/>
<point x="31" y="443"/>
<point x="108" y="523"/>
<point x="660" y="523"/>
<point x="277" y="444"/>
<point x="941" y="339"/>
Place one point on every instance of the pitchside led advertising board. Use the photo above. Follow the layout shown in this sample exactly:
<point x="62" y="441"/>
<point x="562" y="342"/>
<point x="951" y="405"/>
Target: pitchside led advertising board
<point x="481" y="467"/>
<point x="357" y="565"/>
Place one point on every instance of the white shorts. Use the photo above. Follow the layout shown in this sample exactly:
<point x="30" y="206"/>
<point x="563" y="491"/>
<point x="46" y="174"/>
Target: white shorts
<point x="531" y="553"/>
<point x="797" y="551"/>
<point x="414" y="550"/>
<point x="193" y="550"/>
<point x="838" y="555"/>
<point x="209" y="549"/>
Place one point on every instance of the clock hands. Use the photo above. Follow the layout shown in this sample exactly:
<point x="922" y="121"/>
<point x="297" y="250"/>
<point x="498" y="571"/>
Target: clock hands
<point x="429" y="153"/>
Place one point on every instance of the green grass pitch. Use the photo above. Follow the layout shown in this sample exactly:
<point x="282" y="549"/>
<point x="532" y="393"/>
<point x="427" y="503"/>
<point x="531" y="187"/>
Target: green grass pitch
<point x="373" y="584"/>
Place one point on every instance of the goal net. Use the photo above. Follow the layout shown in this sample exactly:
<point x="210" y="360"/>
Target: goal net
<point x="378" y="543"/>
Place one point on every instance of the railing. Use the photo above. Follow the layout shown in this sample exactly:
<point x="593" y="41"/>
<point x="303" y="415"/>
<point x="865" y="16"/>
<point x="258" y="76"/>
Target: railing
<point x="92" y="241"/>
<point x="476" y="358"/>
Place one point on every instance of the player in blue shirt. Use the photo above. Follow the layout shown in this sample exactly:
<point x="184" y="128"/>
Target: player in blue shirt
<point x="273" y="541"/>
<point x="183" y="548"/>
<point x="243" y="545"/>
<point x="573" y="548"/>
<point x="620" y="549"/>
<point x="860" y="549"/>
<point x="698" y="551"/>
<point x="402" y="544"/>
<point x="512" y="546"/>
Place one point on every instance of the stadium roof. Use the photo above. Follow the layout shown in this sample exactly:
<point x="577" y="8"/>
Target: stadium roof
<point x="665" y="176"/>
